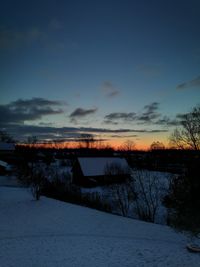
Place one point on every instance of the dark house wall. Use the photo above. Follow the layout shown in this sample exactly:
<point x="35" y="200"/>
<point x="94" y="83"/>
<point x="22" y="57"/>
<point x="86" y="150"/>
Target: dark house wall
<point x="92" y="181"/>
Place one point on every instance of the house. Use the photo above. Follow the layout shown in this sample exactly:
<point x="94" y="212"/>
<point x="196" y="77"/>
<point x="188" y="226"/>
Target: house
<point x="7" y="151"/>
<point x="94" y="171"/>
<point x="4" y="167"/>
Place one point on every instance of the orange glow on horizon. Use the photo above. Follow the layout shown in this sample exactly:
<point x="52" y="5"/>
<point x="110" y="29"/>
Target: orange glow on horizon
<point x="143" y="143"/>
<point x="114" y="144"/>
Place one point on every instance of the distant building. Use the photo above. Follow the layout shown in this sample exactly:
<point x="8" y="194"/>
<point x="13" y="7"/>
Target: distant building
<point x="94" y="171"/>
<point x="7" y="151"/>
<point x="4" y="167"/>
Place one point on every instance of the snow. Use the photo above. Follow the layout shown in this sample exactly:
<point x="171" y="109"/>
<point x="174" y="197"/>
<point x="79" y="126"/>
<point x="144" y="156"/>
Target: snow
<point x="158" y="191"/>
<point x="96" y="166"/>
<point x="54" y="234"/>
<point x="8" y="180"/>
<point x="4" y="164"/>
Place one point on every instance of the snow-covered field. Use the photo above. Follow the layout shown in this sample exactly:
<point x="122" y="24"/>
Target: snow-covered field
<point x="8" y="180"/>
<point x="56" y="234"/>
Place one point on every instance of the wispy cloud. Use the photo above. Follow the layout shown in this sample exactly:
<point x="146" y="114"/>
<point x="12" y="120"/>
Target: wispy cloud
<point x="109" y="89"/>
<point x="119" y="116"/>
<point x="21" y="132"/>
<point x="166" y="121"/>
<point x="124" y="136"/>
<point x="150" y="113"/>
<point x="189" y="84"/>
<point x="80" y="113"/>
<point x="148" y="116"/>
<point x="28" y="110"/>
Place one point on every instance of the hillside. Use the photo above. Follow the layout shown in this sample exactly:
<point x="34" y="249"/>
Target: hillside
<point x="56" y="234"/>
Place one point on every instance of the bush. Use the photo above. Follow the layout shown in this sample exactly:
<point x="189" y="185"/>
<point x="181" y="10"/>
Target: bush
<point x="32" y="177"/>
<point x="183" y="201"/>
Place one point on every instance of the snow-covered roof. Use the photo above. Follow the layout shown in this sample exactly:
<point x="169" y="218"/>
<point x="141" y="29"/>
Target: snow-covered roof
<point x="7" y="146"/>
<point x="4" y="164"/>
<point x="97" y="165"/>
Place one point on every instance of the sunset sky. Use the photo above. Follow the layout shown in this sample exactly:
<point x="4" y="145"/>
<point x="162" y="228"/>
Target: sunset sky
<point x="118" y="69"/>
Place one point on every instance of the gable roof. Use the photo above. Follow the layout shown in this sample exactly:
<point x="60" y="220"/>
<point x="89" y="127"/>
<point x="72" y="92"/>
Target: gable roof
<point x="3" y="164"/>
<point x="96" y="166"/>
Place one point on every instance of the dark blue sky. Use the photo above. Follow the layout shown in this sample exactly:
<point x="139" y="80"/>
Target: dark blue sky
<point x="112" y="65"/>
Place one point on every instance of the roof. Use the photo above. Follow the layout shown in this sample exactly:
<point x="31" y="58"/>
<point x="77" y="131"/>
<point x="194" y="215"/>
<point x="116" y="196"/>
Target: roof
<point x="96" y="166"/>
<point x="3" y="164"/>
<point x="7" y="146"/>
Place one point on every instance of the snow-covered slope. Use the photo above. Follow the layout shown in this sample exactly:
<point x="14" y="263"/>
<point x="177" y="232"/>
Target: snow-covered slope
<point x="53" y="233"/>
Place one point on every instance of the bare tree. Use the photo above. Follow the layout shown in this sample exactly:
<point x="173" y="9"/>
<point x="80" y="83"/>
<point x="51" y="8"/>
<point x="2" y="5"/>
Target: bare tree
<point x="121" y="192"/>
<point x="116" y="169"/>
<point x="32" y="177"/>
<point x="123" y="196"/>
<point x="5" y="137"/>
<point x="157" y="145"/>
<point x="183" y="201"/>
<point x="128" y="146"/>
<point x="86" y="141"/>
<point x="188" y="135"/>
<point x="148" y="189"/>
<point x="32" y="140"/>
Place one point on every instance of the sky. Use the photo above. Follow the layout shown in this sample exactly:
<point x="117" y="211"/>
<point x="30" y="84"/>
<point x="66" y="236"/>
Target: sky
<point x="117" y="69"/>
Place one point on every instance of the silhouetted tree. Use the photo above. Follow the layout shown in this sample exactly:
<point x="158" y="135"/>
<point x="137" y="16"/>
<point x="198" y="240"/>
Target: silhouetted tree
<point x="116" y="169"/>
<point x="31" y="140"/>
<point x="188" y="135"/>
<point x="32" y="177"/>
<point x="149" y="192"/>
<point x="123" y="196"/>
<point x="86" y="141"/>
<point x="157" y="145"/>
<point x="5" y="137"/>
<point x="127" y="146"/>
<point x="183" y="200"/>
<point x="122" y="193"/>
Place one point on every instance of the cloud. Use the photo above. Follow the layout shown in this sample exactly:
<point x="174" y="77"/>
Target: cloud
<point x="153" y="117"/>
<point x="116" y="116"/>
<point x="150" y="113"/>
<point x="17" y="117"/>
<point x="28" y="110"/>
<point x="189" y="84"/>
<point x="151" y="108"/>
<point x="149" y="116"/>
<point x="166" y="121"/>
<point x="111" y="122"/>
<point x="80" y="113"/>
<point x="177" y="121"/>
<point x="44" y="133"/>
<point x="109" y="89"/>
<point x="124" y="136"/>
